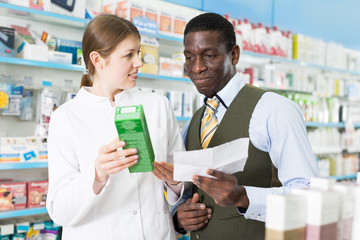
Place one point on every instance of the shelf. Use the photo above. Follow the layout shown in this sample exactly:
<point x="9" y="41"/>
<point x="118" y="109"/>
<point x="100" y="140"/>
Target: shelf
<point x="44" y="13"/>
<point x="296" y="62"/>
<point x="327" y="150"/>
<point x="23" y="212"/>
<point x="320" y="124"/>
<point x="22" y="165"/>
<point x="344" y="177"/>
<point x="25" y="62"/>
<point x="154" y="76"/>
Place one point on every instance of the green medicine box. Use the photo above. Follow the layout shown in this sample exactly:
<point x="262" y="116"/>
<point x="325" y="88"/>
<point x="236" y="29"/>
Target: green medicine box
<point x="131" y="126"/>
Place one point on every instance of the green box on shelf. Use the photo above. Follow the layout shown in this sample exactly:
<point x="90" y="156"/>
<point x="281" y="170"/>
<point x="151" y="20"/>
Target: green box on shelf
<point x="131" y="126"/>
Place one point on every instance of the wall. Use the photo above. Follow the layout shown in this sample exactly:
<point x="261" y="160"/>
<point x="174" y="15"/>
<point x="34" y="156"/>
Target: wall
<point x="330" y="20"/>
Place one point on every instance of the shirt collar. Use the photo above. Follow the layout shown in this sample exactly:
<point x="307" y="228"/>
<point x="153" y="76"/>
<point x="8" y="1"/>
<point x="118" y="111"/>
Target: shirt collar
<point x="84" y="94"/>
<point x="231" y="89"/>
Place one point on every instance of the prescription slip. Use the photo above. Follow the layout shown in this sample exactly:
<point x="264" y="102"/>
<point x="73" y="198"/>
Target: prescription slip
<point x="229" y="158"/>
<point x="131" y="125"/>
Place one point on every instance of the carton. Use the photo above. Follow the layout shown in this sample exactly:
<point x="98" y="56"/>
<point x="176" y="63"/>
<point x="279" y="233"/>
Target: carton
<point x="37" y="193"/>
<point x="131" y="125"/>
<point x="12" y="195"/>
<point x="149" y="55"/>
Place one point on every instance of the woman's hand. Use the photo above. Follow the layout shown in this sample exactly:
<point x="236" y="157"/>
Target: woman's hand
<point x="165" y="171"/>
<point x="110" y="160"/>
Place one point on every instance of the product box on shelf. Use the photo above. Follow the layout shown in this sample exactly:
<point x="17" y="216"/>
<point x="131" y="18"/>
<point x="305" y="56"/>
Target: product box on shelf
<point x="165" y="66"/>
<point x="179" y="25"/>
<point x="60" y="57"/>
<point x="42" y="147"/>
<point x="188" y="102"/>
<point x="74" y="8"/>
<point x="18" y="149"/>
<point x="347" y="194"/>
<point x="166" y="23"/>
<point x="7" y="41"/>
<point x="175" y="99"/>
<point x="149" y="55"/>
<point x="43" y="5"/>
<point x="285" y="217"/>
<point x="69" y="46"/>
<point x="128" y="9"/>
<point x="12" y="195"/>
<point x="6" y="229"/>
<point x="322" y="209"/>
<point x="26" y="50"/>
<point x="132" y="128"/>
<point x="36" y="193"/>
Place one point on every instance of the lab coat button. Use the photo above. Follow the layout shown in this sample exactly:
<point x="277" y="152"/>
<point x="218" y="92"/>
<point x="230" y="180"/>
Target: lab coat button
<point x="135" y="212"/>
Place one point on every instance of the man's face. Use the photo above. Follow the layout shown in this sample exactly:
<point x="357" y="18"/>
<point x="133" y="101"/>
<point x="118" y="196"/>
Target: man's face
<point x="207" y="62"/>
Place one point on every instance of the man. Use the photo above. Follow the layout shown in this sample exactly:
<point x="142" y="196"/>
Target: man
<point x="279" y="154"/>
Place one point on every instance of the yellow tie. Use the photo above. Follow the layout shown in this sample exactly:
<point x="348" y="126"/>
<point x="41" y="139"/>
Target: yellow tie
<point x="209" y="123"/>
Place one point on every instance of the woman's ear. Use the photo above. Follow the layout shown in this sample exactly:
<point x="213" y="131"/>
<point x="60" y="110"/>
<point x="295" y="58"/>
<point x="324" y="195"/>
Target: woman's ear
<point x="96" y="60"/>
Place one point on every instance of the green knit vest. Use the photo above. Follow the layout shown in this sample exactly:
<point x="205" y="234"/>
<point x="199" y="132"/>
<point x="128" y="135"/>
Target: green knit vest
<point x="226" y="222"/>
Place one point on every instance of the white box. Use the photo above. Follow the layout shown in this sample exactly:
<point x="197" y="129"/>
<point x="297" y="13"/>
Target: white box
<point x="60" y="57"/>
<point x="25" y="50"/>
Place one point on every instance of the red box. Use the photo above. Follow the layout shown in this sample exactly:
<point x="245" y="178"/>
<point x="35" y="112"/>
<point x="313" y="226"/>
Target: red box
<point x="37" y="193"/>
<point x="12" y="196"/>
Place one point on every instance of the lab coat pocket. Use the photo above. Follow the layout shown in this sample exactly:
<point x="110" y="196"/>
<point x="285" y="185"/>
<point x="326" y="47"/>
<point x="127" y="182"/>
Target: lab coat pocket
<point x="165" y="227"/>
<point x="160" y="144"/>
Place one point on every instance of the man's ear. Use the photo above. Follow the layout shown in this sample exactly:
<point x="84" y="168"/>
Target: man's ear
<point x="96" y="60"/>
<point x="235" y="53"/>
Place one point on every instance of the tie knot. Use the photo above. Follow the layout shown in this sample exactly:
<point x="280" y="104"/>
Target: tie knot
<point x="212" y="104"/>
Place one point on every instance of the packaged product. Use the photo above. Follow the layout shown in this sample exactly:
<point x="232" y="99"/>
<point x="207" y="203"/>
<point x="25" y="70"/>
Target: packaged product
<point x="132" y="128"/>
<point x="12" y="195"/>
<point x="37" y="193"/>
<point x="149" y="55"/>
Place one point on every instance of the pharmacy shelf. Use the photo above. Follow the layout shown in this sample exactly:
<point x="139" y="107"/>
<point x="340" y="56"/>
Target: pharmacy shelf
<point x="44" y="13"/>
<point x="344" y="177"/>
<point x="22" y="165"/>
<point x="23" y="212"/>
<point x="320" y="124"/>
<point x="296" y="62"/>
<point x="327" y="150"/>
<point x="25" y="62"/>
<point x="154" y="76"/>
<point x="332" y="125"/>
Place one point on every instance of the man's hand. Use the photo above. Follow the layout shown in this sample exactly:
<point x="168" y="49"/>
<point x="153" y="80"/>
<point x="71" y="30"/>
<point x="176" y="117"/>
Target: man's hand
<point x="192" y="215"/>
<point x="225" y="189"/>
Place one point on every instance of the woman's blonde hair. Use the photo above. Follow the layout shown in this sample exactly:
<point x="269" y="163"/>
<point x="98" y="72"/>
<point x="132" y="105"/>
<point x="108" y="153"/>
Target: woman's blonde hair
<point x="102" y="35"/>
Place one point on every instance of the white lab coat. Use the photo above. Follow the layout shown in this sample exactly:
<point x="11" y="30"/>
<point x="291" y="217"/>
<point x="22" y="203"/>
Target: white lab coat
<point x="131" y="206"/>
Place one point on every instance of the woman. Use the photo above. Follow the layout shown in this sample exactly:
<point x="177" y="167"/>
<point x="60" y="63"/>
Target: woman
<point x="91" y="192"/>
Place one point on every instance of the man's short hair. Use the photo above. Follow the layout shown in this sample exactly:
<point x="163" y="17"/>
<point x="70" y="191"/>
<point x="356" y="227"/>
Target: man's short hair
<point x="213" y="22"/>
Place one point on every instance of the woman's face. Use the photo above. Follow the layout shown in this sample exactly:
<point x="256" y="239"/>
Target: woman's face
<point x="121" y="66"/>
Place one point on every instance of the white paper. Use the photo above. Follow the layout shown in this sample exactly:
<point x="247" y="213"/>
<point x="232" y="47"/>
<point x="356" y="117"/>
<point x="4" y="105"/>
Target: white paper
<point x="229" y="158"/>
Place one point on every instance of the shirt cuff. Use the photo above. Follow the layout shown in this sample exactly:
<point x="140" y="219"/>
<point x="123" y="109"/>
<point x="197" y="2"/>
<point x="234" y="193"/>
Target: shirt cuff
<point x="172" y="197"/>
<point x="257" y="204"/>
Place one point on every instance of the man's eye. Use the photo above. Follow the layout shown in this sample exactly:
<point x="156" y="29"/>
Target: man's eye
<point x="187" y="58"/>
<point x="210" y="55"/>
